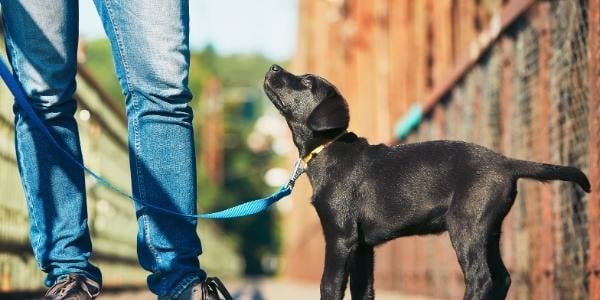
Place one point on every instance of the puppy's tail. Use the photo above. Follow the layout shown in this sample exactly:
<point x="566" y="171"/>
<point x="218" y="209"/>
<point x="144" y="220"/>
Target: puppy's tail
<point x="540" y="171"/>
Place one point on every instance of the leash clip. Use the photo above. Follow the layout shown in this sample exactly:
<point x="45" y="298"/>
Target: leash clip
<point x="298" y="170"/>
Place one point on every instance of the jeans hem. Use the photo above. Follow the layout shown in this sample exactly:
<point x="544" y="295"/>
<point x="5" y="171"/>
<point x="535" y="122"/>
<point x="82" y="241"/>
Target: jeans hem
<point x="184" y="284"/>
<point x="50" y="282"/>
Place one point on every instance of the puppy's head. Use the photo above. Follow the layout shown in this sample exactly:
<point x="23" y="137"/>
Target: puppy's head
<point x="311" y="105"/>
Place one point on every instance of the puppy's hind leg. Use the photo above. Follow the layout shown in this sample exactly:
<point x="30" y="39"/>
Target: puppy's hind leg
<point x="470" y="244"/>
<point x="500" y="275"/>
<point x="361" y="273"/>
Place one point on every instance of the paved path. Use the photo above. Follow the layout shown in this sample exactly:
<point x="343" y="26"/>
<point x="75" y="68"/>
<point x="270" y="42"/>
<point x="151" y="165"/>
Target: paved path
<point x="269" y="289"/>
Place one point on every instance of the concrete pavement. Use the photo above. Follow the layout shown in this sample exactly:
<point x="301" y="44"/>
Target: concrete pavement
<point x="263" y="289"/>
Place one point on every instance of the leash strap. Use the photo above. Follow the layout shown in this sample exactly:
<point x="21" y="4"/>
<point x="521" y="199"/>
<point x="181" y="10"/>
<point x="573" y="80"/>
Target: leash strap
<point x="241" y="210"/>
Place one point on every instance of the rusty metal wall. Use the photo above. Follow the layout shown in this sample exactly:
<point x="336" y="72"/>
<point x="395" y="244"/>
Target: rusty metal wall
<point x="520" y="77"/>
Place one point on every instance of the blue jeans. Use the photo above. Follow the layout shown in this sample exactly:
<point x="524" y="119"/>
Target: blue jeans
<point x="149" y="41"/>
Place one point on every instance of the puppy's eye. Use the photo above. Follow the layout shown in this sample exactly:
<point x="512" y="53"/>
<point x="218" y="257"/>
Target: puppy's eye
<point x="306" y="82"/>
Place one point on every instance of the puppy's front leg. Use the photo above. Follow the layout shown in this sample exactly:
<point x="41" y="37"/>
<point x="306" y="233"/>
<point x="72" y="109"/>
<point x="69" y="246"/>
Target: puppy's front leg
<point x="337" y="267"/>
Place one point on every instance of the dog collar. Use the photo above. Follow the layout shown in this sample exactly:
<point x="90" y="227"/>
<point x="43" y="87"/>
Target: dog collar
<point x="302" y="162"/>
<point x="317" y="150"/>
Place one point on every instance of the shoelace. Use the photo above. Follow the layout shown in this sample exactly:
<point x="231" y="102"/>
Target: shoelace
<point x="66" y="284"/>
<point x="214" y="286"/>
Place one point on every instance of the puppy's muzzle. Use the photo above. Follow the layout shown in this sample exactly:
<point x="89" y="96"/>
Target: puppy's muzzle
<point x="274" y="82"/>
<point x="274" y="78"/>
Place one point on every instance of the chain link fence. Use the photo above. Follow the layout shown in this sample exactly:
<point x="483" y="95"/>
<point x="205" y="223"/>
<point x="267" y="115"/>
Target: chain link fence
<point x="527" y="97"/>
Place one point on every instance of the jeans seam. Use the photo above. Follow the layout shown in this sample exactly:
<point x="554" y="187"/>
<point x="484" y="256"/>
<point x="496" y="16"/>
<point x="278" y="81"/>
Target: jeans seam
<point x="146" y="229"/>
<point x="136" y="139"/>
<point x="183" y="284"/>
<point x="33" y="219"/>
<point x="114" y="26"/>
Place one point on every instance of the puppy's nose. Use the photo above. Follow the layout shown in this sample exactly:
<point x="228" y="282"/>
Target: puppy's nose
<point x="275" y="68"/>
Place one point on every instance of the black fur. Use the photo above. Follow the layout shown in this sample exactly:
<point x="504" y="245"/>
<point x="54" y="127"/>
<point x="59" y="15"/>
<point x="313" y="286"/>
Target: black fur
<point x="367" y="194"/>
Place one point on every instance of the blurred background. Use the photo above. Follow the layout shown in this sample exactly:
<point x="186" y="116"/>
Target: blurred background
<point x="521" y="77"/>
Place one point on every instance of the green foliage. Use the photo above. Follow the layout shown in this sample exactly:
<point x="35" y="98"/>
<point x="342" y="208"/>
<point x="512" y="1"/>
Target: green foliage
<point x="243" y="100"/>
<point x="244" y="173"/>
<point x="242" y="70"/>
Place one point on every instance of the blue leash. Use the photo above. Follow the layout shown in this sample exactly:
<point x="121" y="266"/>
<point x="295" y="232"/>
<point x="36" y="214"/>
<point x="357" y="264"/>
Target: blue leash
<point x="241" y="210"/>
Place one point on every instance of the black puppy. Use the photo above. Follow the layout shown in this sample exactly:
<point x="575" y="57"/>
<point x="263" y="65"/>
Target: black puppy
<point x="366" y="194"/>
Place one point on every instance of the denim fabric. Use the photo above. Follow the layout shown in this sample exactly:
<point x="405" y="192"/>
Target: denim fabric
<point x="149" y="40"/>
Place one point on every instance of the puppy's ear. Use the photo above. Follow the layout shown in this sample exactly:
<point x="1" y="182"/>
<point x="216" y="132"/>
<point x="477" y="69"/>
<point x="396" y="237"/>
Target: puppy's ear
<point x="331" y="113"/>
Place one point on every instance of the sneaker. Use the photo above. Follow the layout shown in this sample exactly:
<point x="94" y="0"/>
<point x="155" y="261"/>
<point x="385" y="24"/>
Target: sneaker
<point x="73" y="287"/>
<point x="210" y="289"/>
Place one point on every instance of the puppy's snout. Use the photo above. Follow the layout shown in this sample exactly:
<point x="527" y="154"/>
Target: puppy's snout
<point x="277" y="77"/>
<point x="274" y="76"/>
<point x="275" y="68"/>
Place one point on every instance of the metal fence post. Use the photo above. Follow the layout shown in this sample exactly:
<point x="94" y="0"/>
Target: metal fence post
<point x="543" y="270"/>
<point x="594" y="131"/>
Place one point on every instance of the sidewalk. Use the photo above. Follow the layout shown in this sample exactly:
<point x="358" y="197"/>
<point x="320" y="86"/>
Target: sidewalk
<point x="264" y="289"/>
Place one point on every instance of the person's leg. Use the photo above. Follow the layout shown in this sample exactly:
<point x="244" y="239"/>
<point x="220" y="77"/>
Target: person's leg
<point x="41" y="41"/>
<point x="149" y="40"/>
